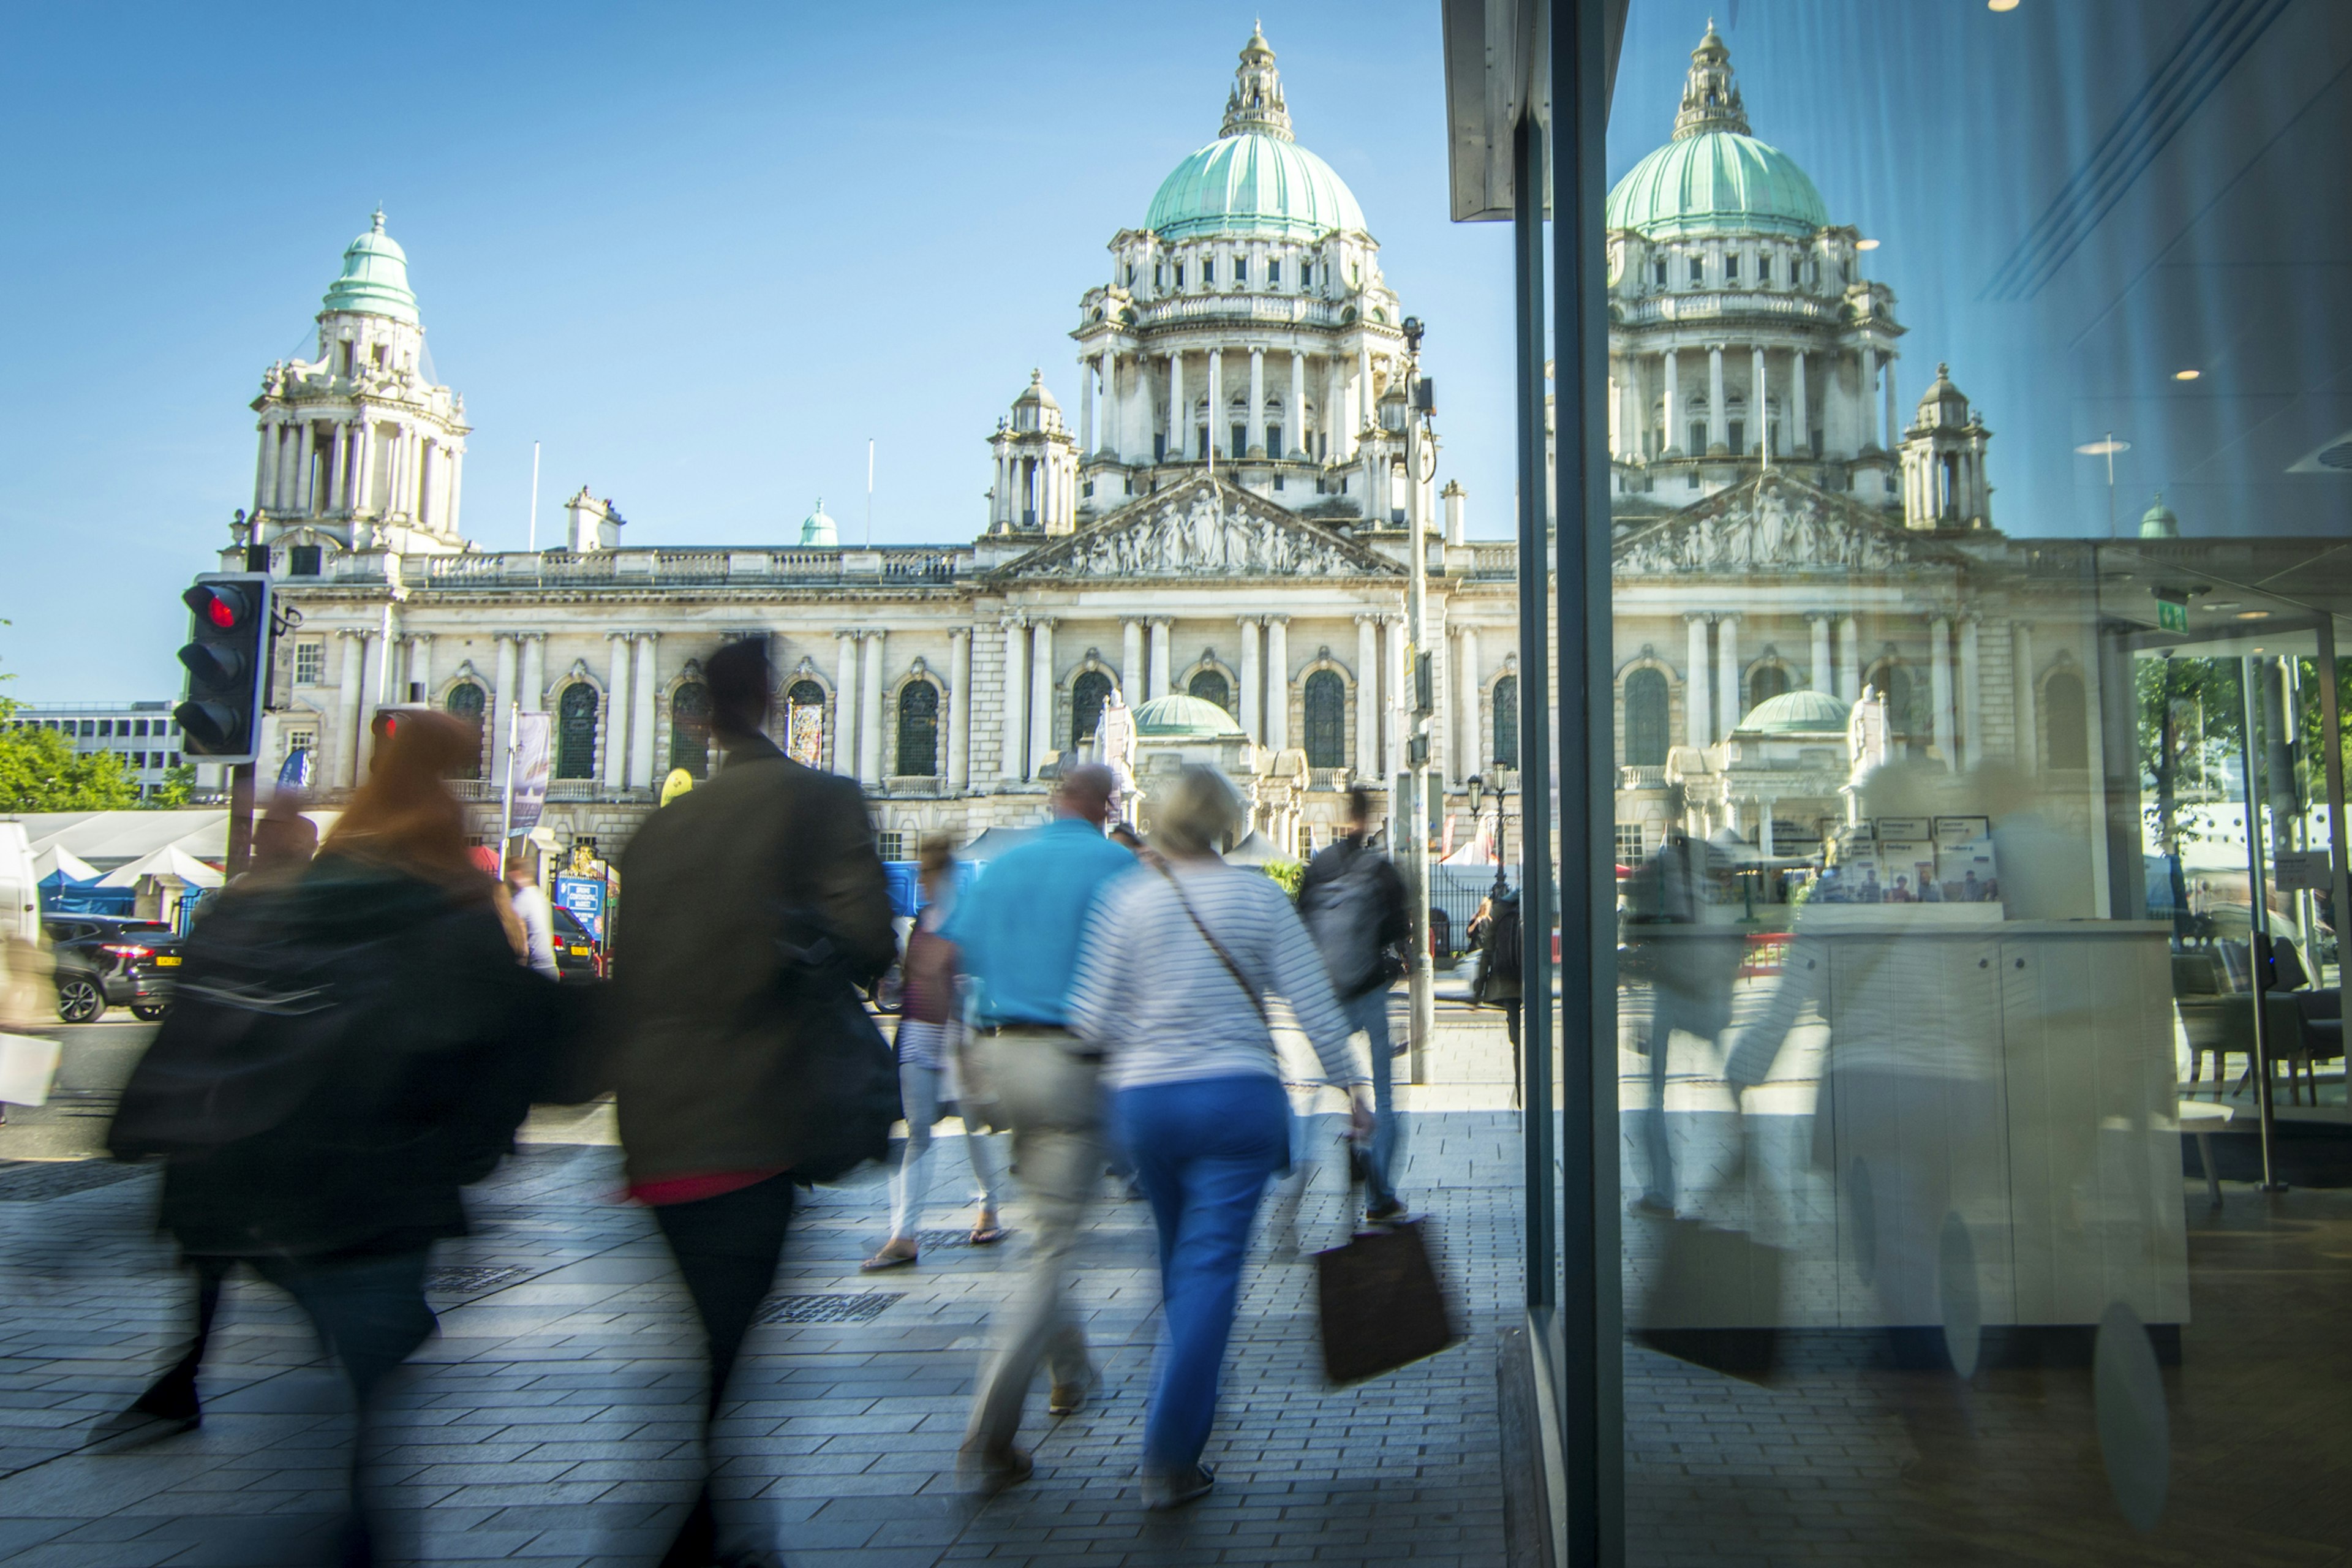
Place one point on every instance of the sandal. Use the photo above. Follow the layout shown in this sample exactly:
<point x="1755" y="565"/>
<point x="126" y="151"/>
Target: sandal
<point x="890" y="1257"/>
<point x="986" y="1232"/>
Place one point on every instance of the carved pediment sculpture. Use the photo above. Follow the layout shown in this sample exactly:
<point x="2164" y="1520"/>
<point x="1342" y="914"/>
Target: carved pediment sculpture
<point x="1204" y="528"/>
<point x="1775" y="523"/>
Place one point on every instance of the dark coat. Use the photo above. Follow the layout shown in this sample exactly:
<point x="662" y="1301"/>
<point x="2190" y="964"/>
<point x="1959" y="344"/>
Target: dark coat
<point x="1333" y="862"/>
<point x="704" y="1060"/>
<point x="418" y="1089"/>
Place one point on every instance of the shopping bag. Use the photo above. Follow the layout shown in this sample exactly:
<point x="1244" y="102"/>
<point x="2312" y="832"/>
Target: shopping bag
<point x="28" y="1069"/>
<point x="1714" y="1301"/>
<point x="1381" y="1303"/>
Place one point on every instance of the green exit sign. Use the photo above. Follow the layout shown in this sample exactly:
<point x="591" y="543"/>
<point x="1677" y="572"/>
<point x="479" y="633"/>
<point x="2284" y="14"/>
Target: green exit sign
<point x="2171" y="614"/>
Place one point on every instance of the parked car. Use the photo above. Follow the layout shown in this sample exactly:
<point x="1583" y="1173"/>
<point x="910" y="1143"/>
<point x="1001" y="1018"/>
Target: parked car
<point x="112" y="961"/>
<point x="578" y="955"/>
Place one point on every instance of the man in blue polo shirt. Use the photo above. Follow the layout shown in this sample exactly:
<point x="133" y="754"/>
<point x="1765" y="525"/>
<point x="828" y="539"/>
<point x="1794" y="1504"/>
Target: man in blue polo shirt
<point x="1017" y="930"/>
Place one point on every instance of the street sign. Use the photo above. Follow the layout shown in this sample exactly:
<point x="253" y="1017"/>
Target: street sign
<point x="586" y="898"/>
<point x="2303" y="869"/>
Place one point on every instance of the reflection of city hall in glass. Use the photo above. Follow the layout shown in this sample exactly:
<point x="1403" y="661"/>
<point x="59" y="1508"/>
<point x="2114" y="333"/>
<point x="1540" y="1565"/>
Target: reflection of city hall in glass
<point x="1219" y="535"/>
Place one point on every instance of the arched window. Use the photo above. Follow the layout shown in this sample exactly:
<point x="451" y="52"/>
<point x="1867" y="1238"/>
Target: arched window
<point x="1326" y="720"/>
<point x="804" y="724"/>
<point x="1646" y="719"/>
<point x="1765" y="682"/>
<point x="1211" y="686"/>
<point x="1894" y="683"/>
<point x="689" y="729"/>
<point x="919" y="730"/>
<point x="1087" y="695"/>
<point x="1506" y="722"/>
<point x="2066" y="721"/>
<point x="575" y="732"/>
<point x="466" y="700"/>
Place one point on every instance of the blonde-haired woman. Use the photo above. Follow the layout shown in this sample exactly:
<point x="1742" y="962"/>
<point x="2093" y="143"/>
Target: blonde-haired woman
<point x="1171" y="983"/>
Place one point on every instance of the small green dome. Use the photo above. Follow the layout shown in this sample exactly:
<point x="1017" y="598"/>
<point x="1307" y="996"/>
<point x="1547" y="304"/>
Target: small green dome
<point x="1180" y="717"/>
<point x="1798" y="713"/>
<point x="375" y="277"/>
<point x="820" y="531"/>
<point x="2160" y="521"/>
<point x="1717" y="181"/>
<point x="1253" y="184"/>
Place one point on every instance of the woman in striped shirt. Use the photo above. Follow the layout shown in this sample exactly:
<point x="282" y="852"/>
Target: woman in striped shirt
<point x="1171" y="984"/>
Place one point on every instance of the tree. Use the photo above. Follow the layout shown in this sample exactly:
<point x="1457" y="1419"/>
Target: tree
<point x="174" y="792"/>
<point x="40" y="771"/>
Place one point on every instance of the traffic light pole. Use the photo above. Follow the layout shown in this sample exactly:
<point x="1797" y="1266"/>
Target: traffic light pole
<point x="240" y="820"/>
<point x="1421" y="983"/>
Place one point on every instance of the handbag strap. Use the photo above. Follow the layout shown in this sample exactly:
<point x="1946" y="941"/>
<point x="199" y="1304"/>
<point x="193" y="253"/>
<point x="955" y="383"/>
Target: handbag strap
<point x="1257" y="1003"/>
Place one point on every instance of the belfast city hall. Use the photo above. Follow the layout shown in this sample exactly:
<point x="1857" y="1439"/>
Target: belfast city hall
<point x="1205" y="514"/>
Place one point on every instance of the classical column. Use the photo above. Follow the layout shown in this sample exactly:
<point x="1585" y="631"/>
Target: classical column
<point x="264" y="498"/>
<point x="1277" y="683"/>
<point x="1368" y="699"/>
<point x="1894" y="421"/>
<point x="1158" y="682"/>
<point x="643" y="692"/>
<point x="1215" y="432"/>
<point x="1801" y="439"/>
<point x="844" y="703"/>
<point x="1697" y="706"/>
<point x="959" y="707"/>
<point x="1470" y="749"/>
<point x="363" y="472"/>
<point x="1256" y="445"/>
<point x="617" y="712"/>
<point x="869" y="713"/>
<point x="428" y="474"/>
<point x="1252" y="678"/>
<point x="1850" y="660"/>
<point x="1130" y="664"/>
<point x="533" y="695"/>
<point x="1871" y="441"/>
<point x="1393" y="669"/>
<point x="1671" y="437"/>
<point x="1972" y="742"/>
<point x="1294" y="418"/>
<point x="348" y="709"/>
<point x="502" y="705"/>
<point x="2029" y="728"/>
<point x="1726" y="673"/>
<point x="420" y="668"/>
<point x="1016" y="684"/>
<point x="1759" y="405"/>
<point x="1180" y="414"/>
<point x="455" y="488"/>
<point x="1041" y="696"/>
<point x="1087" y="406"/>
<point x="1718" y="417"/>
<point x="305" y="489"/>
<point x="1820" y="678"/>
<point x="1940" y="675"/>
<point x="1110" y="428"/>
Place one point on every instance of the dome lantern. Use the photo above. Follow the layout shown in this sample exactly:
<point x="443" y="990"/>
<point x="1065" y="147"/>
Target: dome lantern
<point x="1713" y="177"/>
<point x="2159" y="521"/>
<point x="374" y="280"/>
<point x="1254" y="179"/>
<point x="1256" y="106"/>
<point x="819" y="532"/>
<point x="1710" y="98"/>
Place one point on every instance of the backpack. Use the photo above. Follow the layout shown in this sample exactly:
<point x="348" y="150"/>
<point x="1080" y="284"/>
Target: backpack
<point x="1343" y="917"/>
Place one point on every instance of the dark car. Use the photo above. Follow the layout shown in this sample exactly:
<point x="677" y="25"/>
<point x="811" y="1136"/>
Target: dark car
<point x="578" y="955"/>
<point x="112" y="961"/>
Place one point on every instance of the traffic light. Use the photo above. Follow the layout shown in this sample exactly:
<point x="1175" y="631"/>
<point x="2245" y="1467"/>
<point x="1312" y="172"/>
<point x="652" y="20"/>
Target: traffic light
<point x="228" y="660"/>
<point x="390" y="717"/>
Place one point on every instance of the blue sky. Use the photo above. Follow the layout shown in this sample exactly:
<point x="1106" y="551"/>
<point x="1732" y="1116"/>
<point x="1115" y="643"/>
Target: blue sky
<point x="703" y="252"/>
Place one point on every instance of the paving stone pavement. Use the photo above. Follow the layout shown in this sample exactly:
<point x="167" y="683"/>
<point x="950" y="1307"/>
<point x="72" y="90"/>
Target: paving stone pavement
<point x="552" y="1421"/>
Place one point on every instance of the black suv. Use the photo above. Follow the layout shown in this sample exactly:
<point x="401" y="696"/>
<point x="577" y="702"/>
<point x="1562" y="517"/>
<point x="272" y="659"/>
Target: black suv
<point x="112" y="961"/>
<point x="578" y="955"/>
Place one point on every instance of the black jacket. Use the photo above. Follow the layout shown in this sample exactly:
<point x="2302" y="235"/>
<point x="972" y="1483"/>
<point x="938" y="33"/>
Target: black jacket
<point x="1335" y="861"/>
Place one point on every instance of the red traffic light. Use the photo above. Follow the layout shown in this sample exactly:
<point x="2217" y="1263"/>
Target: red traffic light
<point x="224" y="607"/>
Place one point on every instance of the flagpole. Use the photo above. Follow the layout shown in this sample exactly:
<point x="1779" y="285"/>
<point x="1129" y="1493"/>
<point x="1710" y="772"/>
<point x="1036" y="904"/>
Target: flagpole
<point x="533" y="534"/>
<point x="869" y="493"/>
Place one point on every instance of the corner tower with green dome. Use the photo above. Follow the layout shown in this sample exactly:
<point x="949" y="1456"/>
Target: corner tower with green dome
<point x="361" y="449"/>
<point x="1244" y="324"/>
<point x="1743" y="333"/>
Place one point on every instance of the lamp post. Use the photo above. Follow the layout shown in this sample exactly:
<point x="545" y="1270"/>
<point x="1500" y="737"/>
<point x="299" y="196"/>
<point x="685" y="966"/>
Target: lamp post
<point x="1418" y="700"/>
<point x="1477" y="793"/>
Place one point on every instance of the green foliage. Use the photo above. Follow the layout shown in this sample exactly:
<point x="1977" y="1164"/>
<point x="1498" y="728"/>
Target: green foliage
<point x="174" y="792"/>
<point x="1287" y="875"/>
<point x="40" y="771"/>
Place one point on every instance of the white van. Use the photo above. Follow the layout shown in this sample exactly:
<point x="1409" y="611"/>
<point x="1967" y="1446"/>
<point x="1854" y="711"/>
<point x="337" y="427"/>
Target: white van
<point x="20" y="893"/>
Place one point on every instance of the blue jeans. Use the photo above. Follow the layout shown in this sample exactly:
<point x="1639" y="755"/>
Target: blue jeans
<point x="1370" y="1013"/>
<point x="1202" y="1151"/>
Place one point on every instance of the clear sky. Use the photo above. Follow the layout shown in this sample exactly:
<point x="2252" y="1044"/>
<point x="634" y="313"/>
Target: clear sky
<point x="703" y="252"/>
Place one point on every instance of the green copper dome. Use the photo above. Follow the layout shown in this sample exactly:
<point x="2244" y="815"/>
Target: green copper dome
<point x="2160" y="521"/>
<point x="1713" y="177"/>
<point x="819" y="531"/>
<point x="1717" y="181"/>
<point x="375" y="277"/>
<point x="1254" y="179"/>
<point x="1798" y="713"/>
<point x="1180" y="717"/>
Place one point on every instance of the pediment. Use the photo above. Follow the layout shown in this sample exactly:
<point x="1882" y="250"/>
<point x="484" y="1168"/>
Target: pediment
<point x="1773" y="523"/>
<point x="1202" y="528"/>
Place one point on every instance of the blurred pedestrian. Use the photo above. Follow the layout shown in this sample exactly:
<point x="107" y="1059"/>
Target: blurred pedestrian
<point x="1354" y="903"/>
<point x="1493" y="934"/>
<point x="537" y="916"/>
<point x="931" y="1047"/>
<point x="1017" y="929"/>
<point x="381" y="988"/>
<point x="1691" y="970"/>
<point x="1126" y="837"/>
<point x="1172" y="982"/>
<point x="765" y="873"/>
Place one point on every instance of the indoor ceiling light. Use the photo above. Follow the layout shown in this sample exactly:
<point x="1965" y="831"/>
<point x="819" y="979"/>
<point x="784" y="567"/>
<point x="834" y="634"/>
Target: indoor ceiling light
<point x="2187" y="374"/>
<point x="2222" y="605"/>
<point x="2254" y="615"/>
<point x="2001" y="4"/>
<point x="2102" y="449"/>
<point x="1865" y="245"/>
